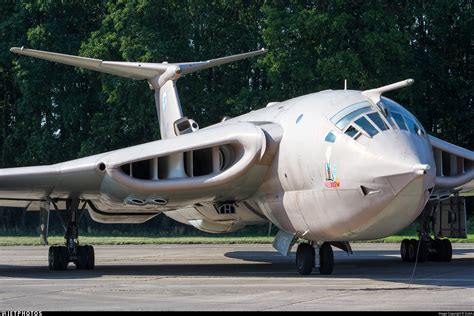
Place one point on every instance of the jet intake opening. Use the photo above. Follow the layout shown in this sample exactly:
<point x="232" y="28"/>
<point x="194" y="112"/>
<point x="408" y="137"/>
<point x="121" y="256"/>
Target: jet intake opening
<point x="141" y="169"/>
<point x="195" y="163"/>
<point x="202" y="162"/>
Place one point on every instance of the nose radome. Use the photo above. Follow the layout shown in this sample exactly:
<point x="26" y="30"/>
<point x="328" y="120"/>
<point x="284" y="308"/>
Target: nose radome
<point x="402" y="158"/>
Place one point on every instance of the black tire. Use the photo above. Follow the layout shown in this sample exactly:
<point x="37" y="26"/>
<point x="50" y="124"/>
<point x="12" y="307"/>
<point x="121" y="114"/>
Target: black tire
<point x="64" y="255"/>
<point x="412" y="249"/>
<point x="85" y="258"/>
<point x="327" y="259"/>
<point x="51" y="258"/>
<point x="305" y="259"/>
<point x="404" y="250"/>
<point x="58" y="258"/>
<point x="82" y="258"/>
<point x="91" y="257"/>
<point x="448" y="255"/>
<point x="440" y="250"/>
<point x="424" y="251"/>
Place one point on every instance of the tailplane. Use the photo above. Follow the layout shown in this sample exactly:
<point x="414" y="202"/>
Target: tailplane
<point x="161" y="77"/>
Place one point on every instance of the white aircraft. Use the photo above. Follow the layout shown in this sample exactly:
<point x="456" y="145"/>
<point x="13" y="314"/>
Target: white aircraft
<point x="328" y="168"/>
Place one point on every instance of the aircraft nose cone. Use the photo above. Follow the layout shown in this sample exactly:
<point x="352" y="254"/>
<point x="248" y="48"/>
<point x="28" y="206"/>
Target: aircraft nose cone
<point x="404" y="157"/>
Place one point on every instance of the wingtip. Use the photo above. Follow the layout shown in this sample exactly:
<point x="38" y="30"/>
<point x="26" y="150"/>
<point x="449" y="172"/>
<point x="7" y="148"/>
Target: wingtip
<point x="16" y="49"/>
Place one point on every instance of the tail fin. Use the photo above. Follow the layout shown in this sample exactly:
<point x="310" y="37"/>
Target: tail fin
<point x="161" y="77"/>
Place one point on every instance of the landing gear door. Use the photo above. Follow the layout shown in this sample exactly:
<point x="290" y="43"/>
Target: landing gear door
<point x="450" y="218"/>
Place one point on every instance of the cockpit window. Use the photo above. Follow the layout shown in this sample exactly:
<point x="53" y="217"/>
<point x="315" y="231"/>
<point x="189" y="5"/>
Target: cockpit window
<point x="375" y="117"/>
<point x="399" y="120"/>
<point x="351" y="131"/>
<point x="330" y="137"/>
<point x="364" y="119"/>
<point x="346" y="115"/>
<point x="412" y="126"/>
<point x="366" y="126"/>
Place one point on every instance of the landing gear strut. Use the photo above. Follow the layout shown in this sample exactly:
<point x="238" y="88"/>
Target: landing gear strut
<point x="310" y="256"/>
<point x="82" y="256"/>
<point x="426" y="248"/>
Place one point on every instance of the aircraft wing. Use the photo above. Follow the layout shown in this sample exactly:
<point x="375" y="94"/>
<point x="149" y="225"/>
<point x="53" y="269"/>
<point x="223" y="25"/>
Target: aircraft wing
<point x="222" y="163"/>
<point x="454" y="168"/>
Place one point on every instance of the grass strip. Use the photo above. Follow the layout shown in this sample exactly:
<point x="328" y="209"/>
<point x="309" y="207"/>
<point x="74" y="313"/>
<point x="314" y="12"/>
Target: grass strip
<point x="184" y="240"/>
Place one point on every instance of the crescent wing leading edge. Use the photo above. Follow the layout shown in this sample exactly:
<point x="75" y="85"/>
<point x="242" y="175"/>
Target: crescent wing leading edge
<point x="225" y="162"/>
<point x="454" y="168"/>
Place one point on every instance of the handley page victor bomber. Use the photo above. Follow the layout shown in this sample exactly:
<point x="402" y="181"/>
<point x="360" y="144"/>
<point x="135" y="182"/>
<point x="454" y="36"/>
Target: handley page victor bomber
<point x="328" y="168"/>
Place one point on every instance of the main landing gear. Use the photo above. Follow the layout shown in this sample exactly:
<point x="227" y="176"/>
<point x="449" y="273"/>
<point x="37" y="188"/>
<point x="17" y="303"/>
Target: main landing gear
<point x="309" y="256"/>
<point x="82" y="256"/>
<point x="426" y="248"/>
<point x="439" y="250"/>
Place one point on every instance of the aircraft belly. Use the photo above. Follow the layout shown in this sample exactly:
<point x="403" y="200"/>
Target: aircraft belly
<point x="346" y="215"/>
<point x="396" y="215"/>
<point x="208" y="219"/>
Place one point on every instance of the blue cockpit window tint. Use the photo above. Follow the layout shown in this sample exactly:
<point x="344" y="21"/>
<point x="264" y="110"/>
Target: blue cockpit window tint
<point x="390" y="104"/>
<point x="342" y="123"/>
<point x="351" y="131"/>
<point x="330" y="137"/>
<point x="399" y="120"/>
<point x="375" y="117"/>
<point x="367" y="126"/>
<point x="412" y="126"/>
<point x="339" y="116"/>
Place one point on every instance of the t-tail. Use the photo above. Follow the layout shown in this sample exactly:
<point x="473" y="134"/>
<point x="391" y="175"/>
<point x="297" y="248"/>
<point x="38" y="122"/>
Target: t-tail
<point x="161" y="77"/>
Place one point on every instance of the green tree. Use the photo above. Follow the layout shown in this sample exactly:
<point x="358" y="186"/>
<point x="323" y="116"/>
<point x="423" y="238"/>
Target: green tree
<point x="442" y="62"/>
<point x="12" y="29"/>
<point x="51" y="114"/>
<point x="315" y="45"/>
<point x="151" y="31"/>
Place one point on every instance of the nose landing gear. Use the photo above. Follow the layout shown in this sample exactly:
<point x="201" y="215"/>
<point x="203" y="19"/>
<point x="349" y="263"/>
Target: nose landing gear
<point x="310" y="256"/>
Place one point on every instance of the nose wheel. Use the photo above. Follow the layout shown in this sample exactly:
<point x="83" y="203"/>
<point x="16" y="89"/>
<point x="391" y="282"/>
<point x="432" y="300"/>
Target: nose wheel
<point x="309" y="257"/>
<point x="305" y="259"/>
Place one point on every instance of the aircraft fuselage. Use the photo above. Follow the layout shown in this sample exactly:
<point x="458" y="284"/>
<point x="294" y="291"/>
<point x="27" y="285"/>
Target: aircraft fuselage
<point x="337" y="188"/>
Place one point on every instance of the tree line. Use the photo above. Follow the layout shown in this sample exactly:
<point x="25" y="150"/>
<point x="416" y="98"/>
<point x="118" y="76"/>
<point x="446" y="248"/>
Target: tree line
<point x="52" y="113"/>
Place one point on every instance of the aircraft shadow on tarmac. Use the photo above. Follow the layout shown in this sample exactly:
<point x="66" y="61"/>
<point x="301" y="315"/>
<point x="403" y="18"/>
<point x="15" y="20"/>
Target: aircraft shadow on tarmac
<point x="378" y="265"/>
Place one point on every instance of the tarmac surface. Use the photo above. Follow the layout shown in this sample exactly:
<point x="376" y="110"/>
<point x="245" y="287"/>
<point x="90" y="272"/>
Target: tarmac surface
<point x="234" y="277"/>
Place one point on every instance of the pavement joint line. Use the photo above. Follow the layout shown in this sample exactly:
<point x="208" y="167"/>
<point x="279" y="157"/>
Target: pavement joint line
<point x="305" y="301"/>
